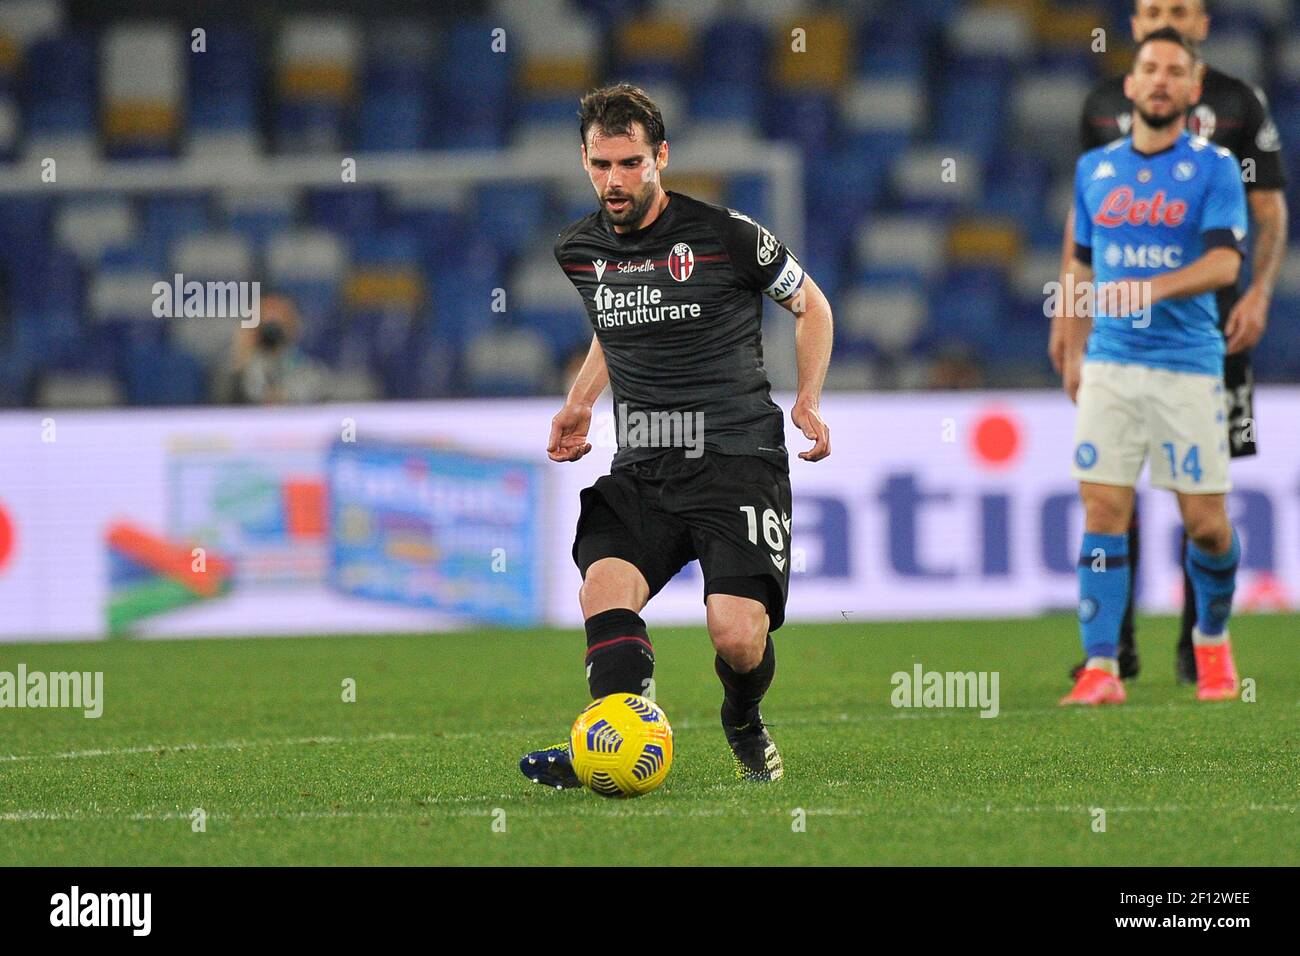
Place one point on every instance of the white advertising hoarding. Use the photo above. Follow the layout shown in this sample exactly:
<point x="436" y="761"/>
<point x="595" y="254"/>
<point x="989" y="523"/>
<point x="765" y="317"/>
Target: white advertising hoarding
<point x="218" y="521"/>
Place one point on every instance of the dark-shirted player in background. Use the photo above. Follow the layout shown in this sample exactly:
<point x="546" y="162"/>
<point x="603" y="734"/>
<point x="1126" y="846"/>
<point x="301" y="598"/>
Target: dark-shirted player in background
<point x="1232" y="114"/>
<point x="673" y="287"/>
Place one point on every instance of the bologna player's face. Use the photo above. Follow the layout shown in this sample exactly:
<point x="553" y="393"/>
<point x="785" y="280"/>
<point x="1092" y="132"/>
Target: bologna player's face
<point x="624" y="173"/>
<point x="1186" y="16"/>
<point x="1163" y="83"/>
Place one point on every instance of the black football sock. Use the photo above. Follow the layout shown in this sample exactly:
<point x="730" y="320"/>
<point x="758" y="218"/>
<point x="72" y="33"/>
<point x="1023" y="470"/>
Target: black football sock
<point x="1189" y="602"/>
<point x="620" y="659"/>
<point x="1127" y="645"/>
<point x="742" y="692"/>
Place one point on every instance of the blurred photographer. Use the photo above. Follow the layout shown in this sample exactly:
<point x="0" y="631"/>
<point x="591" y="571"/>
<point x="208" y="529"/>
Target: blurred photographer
<point x="266" y="365"/>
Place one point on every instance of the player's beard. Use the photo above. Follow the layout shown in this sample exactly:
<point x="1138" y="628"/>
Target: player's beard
<point x="635" y="211"/>
<point x="1160" y="122"/>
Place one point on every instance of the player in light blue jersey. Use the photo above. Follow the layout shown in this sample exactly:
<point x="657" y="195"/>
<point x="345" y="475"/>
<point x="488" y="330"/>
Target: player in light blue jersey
<point x="1160" y="223"/>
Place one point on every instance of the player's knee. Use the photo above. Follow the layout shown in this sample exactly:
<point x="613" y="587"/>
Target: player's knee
<point x="611" y="584"/>
<point x="739" y="633"/>
<point x="1104" y="515"/>
<point x="1209" y="530"/>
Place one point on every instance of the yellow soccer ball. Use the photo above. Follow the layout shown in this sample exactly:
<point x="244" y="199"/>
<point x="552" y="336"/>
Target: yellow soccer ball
<point x="621" y="745"/>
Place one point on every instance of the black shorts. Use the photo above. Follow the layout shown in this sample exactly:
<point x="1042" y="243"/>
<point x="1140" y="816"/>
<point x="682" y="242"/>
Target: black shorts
<point x="1239" y="383"/>
<point x="732" y="512"/>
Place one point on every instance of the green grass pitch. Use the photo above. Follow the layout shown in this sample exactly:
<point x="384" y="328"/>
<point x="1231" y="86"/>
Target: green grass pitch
<point x="421" y="766"/>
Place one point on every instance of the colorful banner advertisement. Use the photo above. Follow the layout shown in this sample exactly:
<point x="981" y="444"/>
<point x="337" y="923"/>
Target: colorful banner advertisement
<point x="433" y="528"/>
<point x="434" y="516"/>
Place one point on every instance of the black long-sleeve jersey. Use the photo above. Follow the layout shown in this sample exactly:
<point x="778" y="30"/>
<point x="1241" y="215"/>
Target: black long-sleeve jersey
<point x="677" y="308"/>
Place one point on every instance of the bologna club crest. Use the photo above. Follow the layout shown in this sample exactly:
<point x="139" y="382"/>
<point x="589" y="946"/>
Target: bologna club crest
<point x="681" y="262"/>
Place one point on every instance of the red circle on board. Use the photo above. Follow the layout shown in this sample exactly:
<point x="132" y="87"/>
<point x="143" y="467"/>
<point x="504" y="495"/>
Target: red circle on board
<point x="996" y="439"/>
<point x="6" y="537"/>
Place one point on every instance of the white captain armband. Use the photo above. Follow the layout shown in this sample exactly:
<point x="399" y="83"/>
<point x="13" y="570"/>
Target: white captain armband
<point x="787" y="281"/>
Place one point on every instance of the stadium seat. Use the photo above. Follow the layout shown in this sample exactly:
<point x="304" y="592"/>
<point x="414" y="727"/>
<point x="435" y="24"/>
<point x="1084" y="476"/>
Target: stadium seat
<point x="509" y="213"/>
<point x="919" y="183"/>
<point x="170" y="217"/>
<point x="980" y="34"/>
<point x="559" y="49"/>
<point x="1045" y="107"/>
<point x="309" y="265"/>
<point x="967" y="309"/>
<point x="257" y="213"/>
<point x="729" y="103"/>
<point x="59" y="84"/>
<point x="214" y="255"/>
<point x="888" y="317"/>
<point x="1271" y="14"/>
<point x="473" y="89"/>
<point x="123" y="289"/>
<point x="78" y="390"/>
<point x="976" y="241"/>
<point x="346" y="209"/>
<point x="504" y="362"/>
<point x="736" y="52"/>
<point x="818" y="59"/>
<point x="657" y="44"/>
<point x="88" y="226"/>
<point x="915" y="243"/>
<point x="10" y="126"/>
<point x="163" y="376"/>
<point x="224" y="85"/>
<point x="142" y="89"/>
<point x="316" y="70"/>
<point x="26" y="21"/>
<point x="979" y="93"/>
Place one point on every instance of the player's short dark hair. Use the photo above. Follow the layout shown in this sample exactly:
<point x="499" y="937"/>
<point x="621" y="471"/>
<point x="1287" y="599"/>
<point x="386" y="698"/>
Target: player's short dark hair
<point x="615" y="108"/>
<point x="1205" y="6"/>
<point x="1169" y="35"/>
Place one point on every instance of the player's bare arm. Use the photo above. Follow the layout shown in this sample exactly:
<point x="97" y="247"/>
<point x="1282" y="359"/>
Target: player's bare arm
<point x="569" y="427"/>
<point x="813" y="337"/>
<point x="1217" y="268"/>
<point x="1213" y="270"/>
<point x="1249" y="317"/>
<point x="1076" y="326"/>
<point x="1056" y="338"/>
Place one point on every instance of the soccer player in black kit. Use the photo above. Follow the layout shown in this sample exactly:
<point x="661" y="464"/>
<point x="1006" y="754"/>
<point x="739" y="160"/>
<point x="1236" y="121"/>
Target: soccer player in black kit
<point x="1232" y="114"/>
<point x="673" y="287"/>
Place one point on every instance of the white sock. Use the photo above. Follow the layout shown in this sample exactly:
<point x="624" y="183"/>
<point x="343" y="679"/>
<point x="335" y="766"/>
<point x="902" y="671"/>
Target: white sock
<point x="1108" y="664"/>
<point x="1205" y="640"/>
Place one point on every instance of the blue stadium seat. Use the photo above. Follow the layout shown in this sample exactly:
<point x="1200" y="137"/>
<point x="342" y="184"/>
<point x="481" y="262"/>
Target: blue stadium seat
<point x="472" y="89"/>
<point x="171" y="216"/>
<point x="308" y="127"/>
<point x="807" y="119"/>
<point x="1017" y="189"/>
<point x="729" y="101"/>
<point x="385" y="247"/>
<point x="510" y="213"/>
<point x="224" y="81"/>
<point x="893" y="46"/>
<point x="840" y="187"/>
<point x="394" y="121"/>
<point x="968" y="307"/>
<point x="59" y="84"/>
<point x="163" y="376"/>
<point x="972" y="110"/>
<point x="735" y="51"/>
<point x="748" y="194"/>
<point x="345" y="209"/>
<point x="24" y="229"/>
